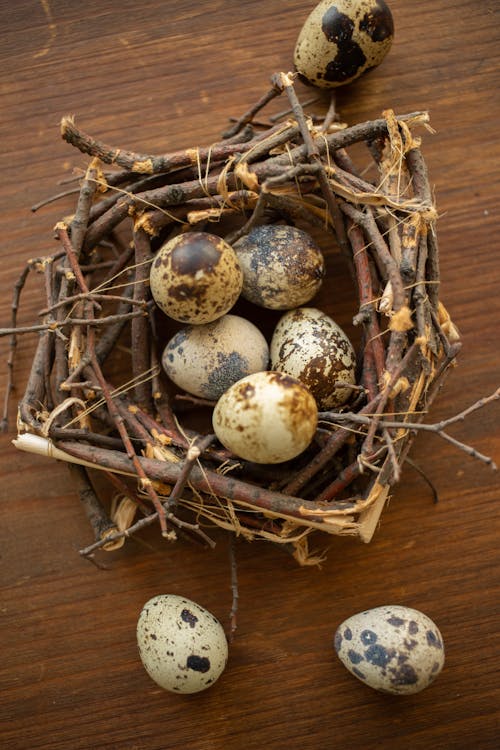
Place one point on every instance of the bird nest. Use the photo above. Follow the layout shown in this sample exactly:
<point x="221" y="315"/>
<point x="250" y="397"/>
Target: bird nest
<point x="96" y="396"/>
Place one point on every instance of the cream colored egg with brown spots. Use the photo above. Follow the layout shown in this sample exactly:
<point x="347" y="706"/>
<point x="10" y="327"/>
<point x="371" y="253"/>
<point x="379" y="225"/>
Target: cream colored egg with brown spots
<point x="267" y="418"/>
<point x="282" y="266"/>
<point x="182" y="646"/>
<point x="195" y="278"/>
<point x="308" y="345"/>
<point x="341" y="40"/>
<point x="206" y="360"/>
<point x="393" y="649"/>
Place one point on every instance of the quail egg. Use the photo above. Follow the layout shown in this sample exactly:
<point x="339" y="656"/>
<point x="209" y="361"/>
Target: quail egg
<point x="310" y="346"/>
<point x="393" y="649"/>
<point x="266" y="417"/>
<point x="182" y="646"/>
<point x="282" y="266"/>
<point x="205" y="360"/>
<point x="195" y="278"/>
<point x="340" y="40"/>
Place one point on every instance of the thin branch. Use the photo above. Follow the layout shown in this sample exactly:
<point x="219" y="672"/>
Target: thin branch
<point x="56" y="324"/>
<point x="419" y="470"/>
<point x="16" y="296"/>
<point x="234" y="587"/>
<point x="251" y="112"/>
<point x="193" y="454"/>
<point x="140" y="340"/>
<point x="285" y="82"/>
<point x="144" y="163"/>
<point x="143" y="523"/>
<point x="437" y="428"/>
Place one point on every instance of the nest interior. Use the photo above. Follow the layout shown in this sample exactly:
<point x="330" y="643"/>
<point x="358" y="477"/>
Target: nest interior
<point x="96" y="396"/>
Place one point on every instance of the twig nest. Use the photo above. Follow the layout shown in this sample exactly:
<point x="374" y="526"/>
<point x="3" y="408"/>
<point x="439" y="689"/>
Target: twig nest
<point x="311" y="347"/>
<point x="182" y="646"/>
<point x="282" y="266"/>
<point x="195" y="278"/>
<point x="206" y="360"/>
<point x="341" y="40"/>
<point x="393" y="649"/>
<point x="267" y="417"/>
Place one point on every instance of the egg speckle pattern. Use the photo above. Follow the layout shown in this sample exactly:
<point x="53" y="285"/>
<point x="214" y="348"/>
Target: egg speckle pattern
<point x="181" y="645"/>
<point x="393" y="649"/>
<point x="206" y="360"/>
<point x="195" y="278"/>
<point x="282" y="266"/>
<point x="311" y="347"/>
<point x="340" y="40"/>
<point x="267" y="418"/>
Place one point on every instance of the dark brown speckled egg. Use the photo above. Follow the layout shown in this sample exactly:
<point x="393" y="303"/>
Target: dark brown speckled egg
<point x="196" y="278"/>
<point x="341" y="40"/>
<point x="308" y="345"/>
<point x="282" y="266"/>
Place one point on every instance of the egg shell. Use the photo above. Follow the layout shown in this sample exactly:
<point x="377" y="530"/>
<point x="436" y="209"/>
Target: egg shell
<point x="393" y="649"/>
<point x="311" y="347"/>
<point x="282" y="266"/>
<point x="341" y="40"/>
<point x="206" y="360"/>
<point x="195" y="278"/>
<point x="182" y="646"/>
<point x="267" y="418"/>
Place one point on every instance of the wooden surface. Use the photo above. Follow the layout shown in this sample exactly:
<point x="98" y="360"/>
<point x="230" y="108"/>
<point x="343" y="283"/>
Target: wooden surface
<point x="156" y="76"/>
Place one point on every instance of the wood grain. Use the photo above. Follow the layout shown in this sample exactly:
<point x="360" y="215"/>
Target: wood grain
<point x="159" y="76"/>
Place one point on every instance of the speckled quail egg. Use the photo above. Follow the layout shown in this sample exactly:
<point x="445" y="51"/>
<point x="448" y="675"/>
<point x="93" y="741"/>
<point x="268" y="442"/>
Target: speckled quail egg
<point x="205" y="360"/>
<point x="282" y="266"/>
<point x="267" y="418"/>
<point x="182" y="646"/>
<point x="393" y="649"/>
<point x="310" y="346"/>
<point x="342" y="39"/>
<point x="195" y="277"/>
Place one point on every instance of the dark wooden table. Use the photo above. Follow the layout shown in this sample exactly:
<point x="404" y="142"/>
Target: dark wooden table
<point x="155" y="76"/>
